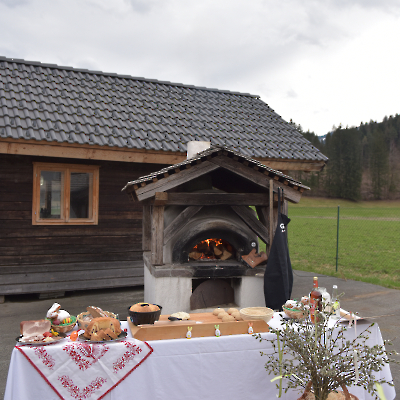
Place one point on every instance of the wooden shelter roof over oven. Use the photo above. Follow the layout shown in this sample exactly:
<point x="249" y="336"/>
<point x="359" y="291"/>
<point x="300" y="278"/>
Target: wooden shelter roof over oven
<point x="77" y="113"/>
<point x="207" y="161"/>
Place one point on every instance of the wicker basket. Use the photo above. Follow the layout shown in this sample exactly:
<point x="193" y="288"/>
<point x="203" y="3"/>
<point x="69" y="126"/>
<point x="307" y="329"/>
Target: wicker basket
<point x="294" y="314"/>
<point x="83" y="324"/>
<point x="251" y="313"/>
<point x="335" y="395"/>
<point x="64" y="328"/>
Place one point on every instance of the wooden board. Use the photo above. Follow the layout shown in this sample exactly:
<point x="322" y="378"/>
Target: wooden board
<point x="203" y="324"/>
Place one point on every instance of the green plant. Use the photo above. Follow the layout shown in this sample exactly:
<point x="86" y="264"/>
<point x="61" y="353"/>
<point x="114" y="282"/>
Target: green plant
<point x="320" y="356"/>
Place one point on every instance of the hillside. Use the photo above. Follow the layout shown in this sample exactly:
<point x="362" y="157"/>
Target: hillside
<point x="364" y="162"/>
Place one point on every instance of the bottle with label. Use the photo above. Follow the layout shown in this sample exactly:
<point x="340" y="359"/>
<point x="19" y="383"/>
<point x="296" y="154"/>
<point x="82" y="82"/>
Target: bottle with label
<point x="315" y="300"/>
<point x="335" y="303"/>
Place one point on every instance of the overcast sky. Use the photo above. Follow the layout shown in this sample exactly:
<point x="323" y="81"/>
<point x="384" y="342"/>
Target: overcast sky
<point x="318" y="62"/>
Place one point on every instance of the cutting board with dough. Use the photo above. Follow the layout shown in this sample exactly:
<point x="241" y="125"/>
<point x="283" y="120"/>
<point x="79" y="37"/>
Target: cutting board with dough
<point x="202" y="324"/>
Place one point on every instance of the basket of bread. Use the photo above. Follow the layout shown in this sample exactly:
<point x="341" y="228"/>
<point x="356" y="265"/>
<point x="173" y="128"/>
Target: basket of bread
<point x="294" y="310"/>
<point x="85" y="318"/>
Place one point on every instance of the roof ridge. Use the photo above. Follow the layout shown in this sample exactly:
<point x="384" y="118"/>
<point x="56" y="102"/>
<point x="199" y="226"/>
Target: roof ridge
<point x="115" y="75"/>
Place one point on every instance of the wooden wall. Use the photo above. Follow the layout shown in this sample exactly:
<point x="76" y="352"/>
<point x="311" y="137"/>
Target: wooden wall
<point x="39" y="259"/>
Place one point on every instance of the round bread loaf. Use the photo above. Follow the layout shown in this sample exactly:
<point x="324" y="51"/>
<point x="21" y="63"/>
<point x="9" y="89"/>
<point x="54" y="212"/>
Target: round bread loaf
<point x="100" y="324"/>
<point x="144" y="307"/>
<point x="218" y="310"/>
<point x="232" y="310"/>
<point x="228" y="318"/>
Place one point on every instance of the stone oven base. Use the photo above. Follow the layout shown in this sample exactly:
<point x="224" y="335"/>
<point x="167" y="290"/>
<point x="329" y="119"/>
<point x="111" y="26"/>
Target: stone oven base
<point x="173" y="293"/>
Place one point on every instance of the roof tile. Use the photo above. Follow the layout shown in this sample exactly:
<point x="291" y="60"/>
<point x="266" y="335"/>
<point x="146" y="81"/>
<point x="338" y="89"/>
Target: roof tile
<point x="63" y="104"/>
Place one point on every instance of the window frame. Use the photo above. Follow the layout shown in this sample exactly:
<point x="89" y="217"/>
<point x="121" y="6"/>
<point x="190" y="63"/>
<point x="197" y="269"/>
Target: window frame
<point x="67" y="169"/>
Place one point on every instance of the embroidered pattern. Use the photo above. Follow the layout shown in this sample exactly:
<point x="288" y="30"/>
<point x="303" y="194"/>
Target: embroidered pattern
<point x="84" y="354"/>
<point x="77" y="393"/>
<point x="46" y="359"/>
<point x="132" y="351"/>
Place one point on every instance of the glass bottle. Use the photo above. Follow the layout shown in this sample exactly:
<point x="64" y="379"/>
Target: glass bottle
<point x="315" y="300"/>
<point x="335" y="303"/>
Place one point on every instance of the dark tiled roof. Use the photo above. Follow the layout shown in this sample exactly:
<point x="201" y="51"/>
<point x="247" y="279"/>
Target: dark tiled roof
<point x="68" y="105"/>
<point x="215" y="151"/>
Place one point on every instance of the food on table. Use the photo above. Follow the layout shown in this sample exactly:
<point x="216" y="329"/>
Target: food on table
<point x="305" y="300"/>
<point x="57" y="316"/>
<point x="181" y="315"/>
<point x="103" y="328"/>
<point x="73" y="336"/>
<point x="144" y="313"/>
<point x="217" y="311"/>
<point x="237" y="316"/>
<point x="85" y="317"/>
<point x="35" y="331"/>
<point x="222" y="314"/>
<point x="291" y="304"/>
<point x="61" y="320"/>
<point x="144" y="307"/>
<point x="228" y="318"/>
<point x="96" y="312"/>
<point x="232" y="310"/>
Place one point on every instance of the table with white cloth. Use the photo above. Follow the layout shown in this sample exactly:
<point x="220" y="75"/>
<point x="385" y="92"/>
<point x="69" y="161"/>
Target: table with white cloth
<point x="226" y="367"/>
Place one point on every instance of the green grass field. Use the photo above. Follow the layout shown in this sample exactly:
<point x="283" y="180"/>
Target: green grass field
<point x="369" y="239"/>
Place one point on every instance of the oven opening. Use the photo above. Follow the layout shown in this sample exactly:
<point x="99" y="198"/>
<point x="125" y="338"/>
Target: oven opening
<point x="212" y="249"/>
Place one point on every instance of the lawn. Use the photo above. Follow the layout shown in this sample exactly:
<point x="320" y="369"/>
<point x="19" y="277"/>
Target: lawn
<point x="369" y="239"/>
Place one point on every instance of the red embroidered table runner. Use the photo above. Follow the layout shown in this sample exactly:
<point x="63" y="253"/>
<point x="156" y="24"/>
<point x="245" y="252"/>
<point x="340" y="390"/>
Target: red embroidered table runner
<point x="84" y="370"/>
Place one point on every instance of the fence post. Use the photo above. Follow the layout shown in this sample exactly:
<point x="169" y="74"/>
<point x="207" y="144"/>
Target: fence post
<point x="337" y="238"/>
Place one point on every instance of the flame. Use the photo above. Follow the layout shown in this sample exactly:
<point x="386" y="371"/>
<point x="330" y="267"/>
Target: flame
<point x="206" y="249"/>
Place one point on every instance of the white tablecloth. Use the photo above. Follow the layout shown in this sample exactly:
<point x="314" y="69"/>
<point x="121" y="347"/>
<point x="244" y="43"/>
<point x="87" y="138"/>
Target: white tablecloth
<point x="229" y="367"/>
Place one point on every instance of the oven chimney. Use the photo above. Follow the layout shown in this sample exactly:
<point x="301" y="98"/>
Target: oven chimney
<point x="195" y="147"/>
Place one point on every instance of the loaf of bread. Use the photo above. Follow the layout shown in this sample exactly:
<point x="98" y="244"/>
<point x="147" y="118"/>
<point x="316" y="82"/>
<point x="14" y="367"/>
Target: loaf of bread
<point x="144" y="307"/>
<point x="103" y="328"/>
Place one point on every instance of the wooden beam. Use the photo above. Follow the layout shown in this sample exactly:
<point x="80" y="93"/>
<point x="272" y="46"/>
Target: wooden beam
<point x="146" y="228"/>
<point x="96" y="152"/>
<point x="252" y="222"/>
<point x="175" y="180"/>
<point x="255" y="176"/>
<point x="87" y="151"/>
<point x="160" y="199"/>
<point x="212" y="199"/>
<point x="157" y="235"/>
<point x="263" y="216"/>
<point x="180" y="222"/>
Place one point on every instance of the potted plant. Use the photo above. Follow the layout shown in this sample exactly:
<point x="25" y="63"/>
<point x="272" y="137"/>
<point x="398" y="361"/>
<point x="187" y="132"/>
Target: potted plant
<point x="319" y="358"/>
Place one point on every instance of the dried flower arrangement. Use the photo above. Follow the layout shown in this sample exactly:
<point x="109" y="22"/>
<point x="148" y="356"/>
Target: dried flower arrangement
<point x="320" y="358"/>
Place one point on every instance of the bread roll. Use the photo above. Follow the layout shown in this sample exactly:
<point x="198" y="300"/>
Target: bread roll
<point x="232" y="310"/>
<point x="218" y="310"/>
<point x="222" y="314"/>
<point x="228" y="318"/>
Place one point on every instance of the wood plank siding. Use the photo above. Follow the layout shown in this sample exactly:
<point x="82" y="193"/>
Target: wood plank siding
<point x="36" y="259"/>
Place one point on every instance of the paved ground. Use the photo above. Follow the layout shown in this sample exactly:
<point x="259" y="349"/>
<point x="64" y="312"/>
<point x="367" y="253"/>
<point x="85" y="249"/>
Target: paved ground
<point x="368" y="300"/>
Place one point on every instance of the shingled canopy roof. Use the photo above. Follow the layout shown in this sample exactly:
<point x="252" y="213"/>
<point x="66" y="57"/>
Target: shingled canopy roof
<point x="253" y="167"/>
<point x="54" y="104"/>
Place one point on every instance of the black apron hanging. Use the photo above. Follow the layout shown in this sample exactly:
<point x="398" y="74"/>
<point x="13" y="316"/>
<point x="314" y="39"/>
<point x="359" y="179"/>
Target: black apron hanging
<point x="278" y="277"/>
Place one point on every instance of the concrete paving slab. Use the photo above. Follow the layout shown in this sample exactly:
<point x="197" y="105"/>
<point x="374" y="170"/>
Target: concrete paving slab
<point x="367" y="299"/>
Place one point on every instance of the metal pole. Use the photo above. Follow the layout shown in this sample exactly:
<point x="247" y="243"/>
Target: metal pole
<point x="337" y="238"/>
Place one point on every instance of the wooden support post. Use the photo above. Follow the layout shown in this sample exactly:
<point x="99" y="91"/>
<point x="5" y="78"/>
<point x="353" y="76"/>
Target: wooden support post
<point x="157" y="235"/>
<point x="146" y="228"/>
<point x="263" y="216"/>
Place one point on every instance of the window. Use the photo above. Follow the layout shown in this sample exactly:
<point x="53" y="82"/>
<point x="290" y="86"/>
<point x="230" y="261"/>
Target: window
<point x="65" y="194"/>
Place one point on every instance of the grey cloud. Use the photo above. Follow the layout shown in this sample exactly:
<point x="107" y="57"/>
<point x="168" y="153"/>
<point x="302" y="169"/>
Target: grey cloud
<point x="14" y="3"/>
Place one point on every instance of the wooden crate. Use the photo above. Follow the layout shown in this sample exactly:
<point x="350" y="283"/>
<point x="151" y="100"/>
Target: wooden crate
<point x="203" y="324"/>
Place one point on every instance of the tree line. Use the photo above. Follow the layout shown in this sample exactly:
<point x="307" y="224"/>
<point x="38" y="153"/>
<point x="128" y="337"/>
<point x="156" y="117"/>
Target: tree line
<point x="364" y="161"/>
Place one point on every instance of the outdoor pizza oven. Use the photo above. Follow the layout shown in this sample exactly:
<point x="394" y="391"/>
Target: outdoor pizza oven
<point x="198" y="224"/>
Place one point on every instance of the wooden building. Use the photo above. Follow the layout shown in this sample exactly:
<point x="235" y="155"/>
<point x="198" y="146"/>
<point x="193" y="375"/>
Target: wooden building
<point x="70" y="139"/>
